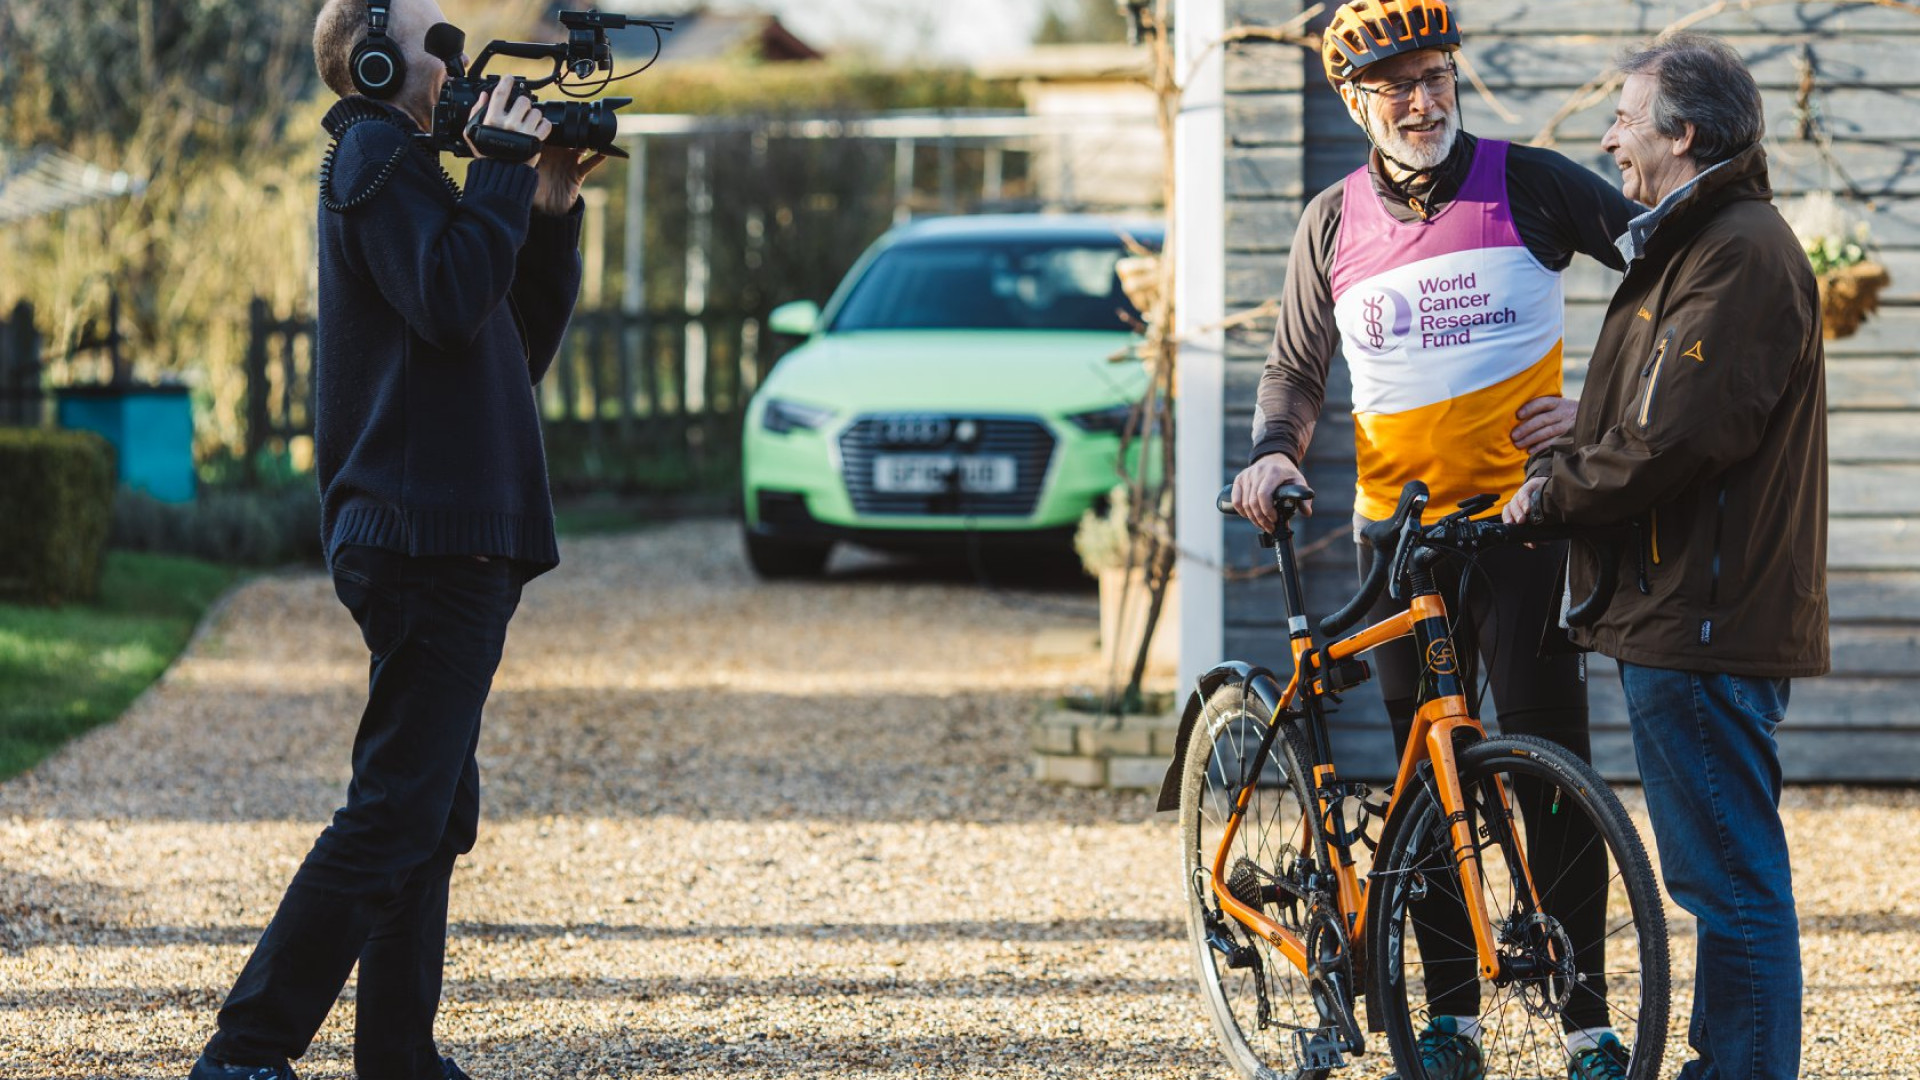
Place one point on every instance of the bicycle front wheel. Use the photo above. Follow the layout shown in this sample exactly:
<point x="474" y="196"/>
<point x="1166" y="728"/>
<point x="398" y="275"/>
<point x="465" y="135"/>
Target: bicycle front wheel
<point x="1259" y="1002"/>
<point x="1572" y="903"/>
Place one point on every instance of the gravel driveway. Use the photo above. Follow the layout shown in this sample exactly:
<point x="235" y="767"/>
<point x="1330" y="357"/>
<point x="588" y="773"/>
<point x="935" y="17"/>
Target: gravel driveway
<point x="736" y="829"/>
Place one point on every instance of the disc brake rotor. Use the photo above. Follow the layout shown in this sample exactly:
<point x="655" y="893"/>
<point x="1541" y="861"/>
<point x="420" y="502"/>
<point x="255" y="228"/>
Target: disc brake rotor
<point x="1542" y="953"/>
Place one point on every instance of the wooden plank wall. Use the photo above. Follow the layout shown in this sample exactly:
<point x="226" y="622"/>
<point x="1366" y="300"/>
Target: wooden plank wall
<point x="1288" y="136"/>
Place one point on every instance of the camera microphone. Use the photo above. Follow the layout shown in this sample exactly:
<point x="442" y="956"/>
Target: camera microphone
<point x="588" y="125"/>
<point x="447" y="43"/>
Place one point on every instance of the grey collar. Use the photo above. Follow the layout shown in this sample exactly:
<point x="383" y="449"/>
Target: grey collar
<point x="1633" y="242"/>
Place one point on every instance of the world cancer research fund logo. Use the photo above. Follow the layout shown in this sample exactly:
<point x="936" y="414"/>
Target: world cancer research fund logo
<point x="1385" y="318"/>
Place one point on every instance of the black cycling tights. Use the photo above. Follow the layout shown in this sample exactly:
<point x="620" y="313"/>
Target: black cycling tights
<point x="1512" y="600"/>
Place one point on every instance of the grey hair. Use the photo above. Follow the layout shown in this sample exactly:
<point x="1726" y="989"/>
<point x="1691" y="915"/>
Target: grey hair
<point x="1702" y="82"/>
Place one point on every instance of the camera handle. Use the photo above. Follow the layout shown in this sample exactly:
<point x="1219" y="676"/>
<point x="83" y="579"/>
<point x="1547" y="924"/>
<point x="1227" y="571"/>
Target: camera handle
<point x="523" y="50"/>
<point x="512" y="147"/>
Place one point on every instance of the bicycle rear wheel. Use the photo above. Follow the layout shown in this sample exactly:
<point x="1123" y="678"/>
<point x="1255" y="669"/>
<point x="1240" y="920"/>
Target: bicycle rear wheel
<point x="1591" y="953"/>
<point x="1258" y="1001"/>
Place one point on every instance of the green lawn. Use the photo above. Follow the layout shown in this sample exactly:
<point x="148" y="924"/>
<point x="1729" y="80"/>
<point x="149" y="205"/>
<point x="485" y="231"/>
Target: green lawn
<point x="65" y="670"/>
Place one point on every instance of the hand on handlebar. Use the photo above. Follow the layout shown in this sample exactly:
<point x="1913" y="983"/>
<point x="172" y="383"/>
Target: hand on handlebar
<point x="1253" y="490"/>
<point x="1521" y="508"/>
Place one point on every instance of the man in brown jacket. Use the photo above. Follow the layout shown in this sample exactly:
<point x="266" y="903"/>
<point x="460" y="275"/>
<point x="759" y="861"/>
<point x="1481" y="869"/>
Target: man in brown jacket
<point x="1703" y="422"/>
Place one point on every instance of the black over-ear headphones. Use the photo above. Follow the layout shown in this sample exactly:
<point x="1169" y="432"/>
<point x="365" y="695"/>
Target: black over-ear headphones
<point x="377" y="66"/>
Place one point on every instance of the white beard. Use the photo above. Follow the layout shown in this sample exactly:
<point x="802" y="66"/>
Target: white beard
<point x="1420" y="156"/>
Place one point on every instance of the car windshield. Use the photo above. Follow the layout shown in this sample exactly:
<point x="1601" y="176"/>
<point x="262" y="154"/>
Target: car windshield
<point x="1032" y="285"/>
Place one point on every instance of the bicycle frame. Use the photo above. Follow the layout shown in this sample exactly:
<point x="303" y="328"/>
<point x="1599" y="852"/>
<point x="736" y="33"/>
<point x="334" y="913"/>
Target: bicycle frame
<point x="1442" y="714"/>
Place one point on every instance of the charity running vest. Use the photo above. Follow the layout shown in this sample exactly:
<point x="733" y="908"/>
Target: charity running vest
<point x="1449" y="326"/>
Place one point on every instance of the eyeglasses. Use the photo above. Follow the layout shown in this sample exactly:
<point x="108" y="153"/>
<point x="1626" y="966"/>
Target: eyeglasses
<point x="1436" y="84"/>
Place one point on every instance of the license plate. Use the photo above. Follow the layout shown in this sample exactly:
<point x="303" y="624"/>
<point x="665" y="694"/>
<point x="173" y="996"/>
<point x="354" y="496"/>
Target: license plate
<point x="929" y="474"/>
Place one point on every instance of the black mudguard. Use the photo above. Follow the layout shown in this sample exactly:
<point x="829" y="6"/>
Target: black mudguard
<point x="1234" y="671"/>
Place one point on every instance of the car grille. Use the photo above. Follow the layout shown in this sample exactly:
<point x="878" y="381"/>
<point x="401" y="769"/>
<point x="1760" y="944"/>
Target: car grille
<point x="1028" y="442"/>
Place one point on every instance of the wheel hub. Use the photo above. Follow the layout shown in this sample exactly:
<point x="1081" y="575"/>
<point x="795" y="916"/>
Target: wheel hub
<point x="1537" y="957"/>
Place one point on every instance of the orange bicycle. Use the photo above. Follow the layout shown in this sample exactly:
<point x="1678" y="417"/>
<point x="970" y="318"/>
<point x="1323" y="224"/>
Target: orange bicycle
<point x="1463" y="901"/>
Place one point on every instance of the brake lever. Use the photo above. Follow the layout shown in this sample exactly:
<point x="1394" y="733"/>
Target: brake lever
<point x="1403" y="550"/>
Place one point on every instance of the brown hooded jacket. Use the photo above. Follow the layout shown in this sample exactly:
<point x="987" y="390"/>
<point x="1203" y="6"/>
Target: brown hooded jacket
<point x="1704" y="420"/>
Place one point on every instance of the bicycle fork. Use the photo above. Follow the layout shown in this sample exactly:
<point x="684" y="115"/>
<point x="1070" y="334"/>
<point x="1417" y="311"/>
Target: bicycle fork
<point x="1438" y="722"/>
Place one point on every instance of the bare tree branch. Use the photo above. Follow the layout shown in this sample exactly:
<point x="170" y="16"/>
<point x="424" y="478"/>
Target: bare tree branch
<point x="1486" y="93"/>
<point x="1291" y="32"/>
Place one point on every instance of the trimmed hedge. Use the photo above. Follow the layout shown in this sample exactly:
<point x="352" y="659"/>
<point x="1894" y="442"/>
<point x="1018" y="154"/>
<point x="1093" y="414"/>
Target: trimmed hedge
<point x="56" y="504"/>
<point x="231" y="526"/>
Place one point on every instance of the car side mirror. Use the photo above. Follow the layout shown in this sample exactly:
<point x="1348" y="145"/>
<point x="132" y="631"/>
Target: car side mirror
<point x="800" y="318"/>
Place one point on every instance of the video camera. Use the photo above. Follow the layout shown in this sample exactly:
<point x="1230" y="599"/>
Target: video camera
<point x="588" y="125"/>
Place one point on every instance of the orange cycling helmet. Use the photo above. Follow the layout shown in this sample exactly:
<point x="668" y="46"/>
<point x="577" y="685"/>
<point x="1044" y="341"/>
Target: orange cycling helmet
<point x="1365" y="32"/>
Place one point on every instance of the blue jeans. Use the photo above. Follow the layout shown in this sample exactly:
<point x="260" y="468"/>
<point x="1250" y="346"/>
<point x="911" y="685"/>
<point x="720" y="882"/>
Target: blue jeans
<point x="1712" y="774"/>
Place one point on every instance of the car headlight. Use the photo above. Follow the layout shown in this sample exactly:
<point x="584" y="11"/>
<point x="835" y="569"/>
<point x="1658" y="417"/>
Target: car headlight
<point x="782" y="417"/>
<point x="1111" y="420"/>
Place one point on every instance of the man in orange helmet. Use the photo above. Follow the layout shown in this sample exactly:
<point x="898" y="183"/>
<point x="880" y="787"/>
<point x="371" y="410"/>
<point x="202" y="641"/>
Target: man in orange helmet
<point x="1435" y="268"/>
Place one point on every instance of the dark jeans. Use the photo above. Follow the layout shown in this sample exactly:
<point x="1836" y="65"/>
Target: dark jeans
<point x="374" y="888"/>
<point x="1712" y="775"/>
<point x="1510" y="607"/>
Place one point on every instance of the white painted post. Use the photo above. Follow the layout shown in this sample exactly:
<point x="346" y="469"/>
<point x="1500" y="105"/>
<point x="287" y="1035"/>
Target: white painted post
<point x="756" y="245"/>
<point x="1063" y="199"/>
<point x="633" y="294"/>
<point x="902" y="180"/>
<point x="699" y="273"/>
<point x="633" y="251"/>
<point x="1198" y="241"/>
<point x="593" y="269"/>
<point x="593" y="280"/>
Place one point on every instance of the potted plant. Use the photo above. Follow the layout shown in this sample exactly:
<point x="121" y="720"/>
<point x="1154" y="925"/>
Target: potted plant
<point x="1838" y="246"/>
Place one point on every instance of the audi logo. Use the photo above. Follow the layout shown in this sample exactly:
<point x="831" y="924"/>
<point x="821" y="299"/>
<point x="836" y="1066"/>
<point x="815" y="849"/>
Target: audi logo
<point x="915" y="430"/>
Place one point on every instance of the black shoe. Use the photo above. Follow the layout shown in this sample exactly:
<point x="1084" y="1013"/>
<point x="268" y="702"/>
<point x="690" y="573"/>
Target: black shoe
<point x="208" y="1069"/>
<point x="453" y="1071"/>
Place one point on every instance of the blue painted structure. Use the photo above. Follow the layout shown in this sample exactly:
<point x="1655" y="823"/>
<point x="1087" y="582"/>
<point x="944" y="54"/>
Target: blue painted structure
<point x="150" y="427"/>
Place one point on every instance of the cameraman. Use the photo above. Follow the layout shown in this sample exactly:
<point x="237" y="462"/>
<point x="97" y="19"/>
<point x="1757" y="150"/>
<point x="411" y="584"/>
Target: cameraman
<point x="438" y="312"/>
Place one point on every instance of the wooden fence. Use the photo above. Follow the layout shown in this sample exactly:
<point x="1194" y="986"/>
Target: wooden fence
<point x="22" y="400"/>
<point x="279" y="369"/>
<point x="652" y="399"/>
<point x="635" y="400"/>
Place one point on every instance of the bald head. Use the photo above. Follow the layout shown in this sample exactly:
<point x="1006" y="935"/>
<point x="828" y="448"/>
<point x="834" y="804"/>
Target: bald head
<point x="342" y="24"/>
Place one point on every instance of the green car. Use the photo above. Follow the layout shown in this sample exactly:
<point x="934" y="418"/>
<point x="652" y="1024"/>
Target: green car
<point x="960" y="385"/>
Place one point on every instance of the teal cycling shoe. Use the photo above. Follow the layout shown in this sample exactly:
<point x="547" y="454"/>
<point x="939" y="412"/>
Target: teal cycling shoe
<point x="1445" y="1054"/>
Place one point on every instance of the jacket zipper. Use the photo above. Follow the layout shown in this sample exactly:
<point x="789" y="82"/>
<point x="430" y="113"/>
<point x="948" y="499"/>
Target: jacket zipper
<point x="1648" y="534"/>
<point x="1713" y="578"/>
<point x="1652" y="375"/>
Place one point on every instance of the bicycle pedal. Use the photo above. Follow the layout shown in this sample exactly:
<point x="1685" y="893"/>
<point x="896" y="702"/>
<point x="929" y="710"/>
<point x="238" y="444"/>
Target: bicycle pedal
<point x="1319" y="1050"/>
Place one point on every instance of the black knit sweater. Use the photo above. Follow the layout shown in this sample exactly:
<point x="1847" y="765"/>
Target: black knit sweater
<point x="439" y="312"/>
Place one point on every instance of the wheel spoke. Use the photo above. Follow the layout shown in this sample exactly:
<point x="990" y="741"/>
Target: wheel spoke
<point x="1522" y="1015"/>
<point x="1223" y="757"/>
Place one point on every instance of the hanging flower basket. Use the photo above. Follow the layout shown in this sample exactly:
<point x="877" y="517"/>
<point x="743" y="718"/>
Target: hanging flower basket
<point x="1838" y="245"/>
<point x="1848" y="294"/>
